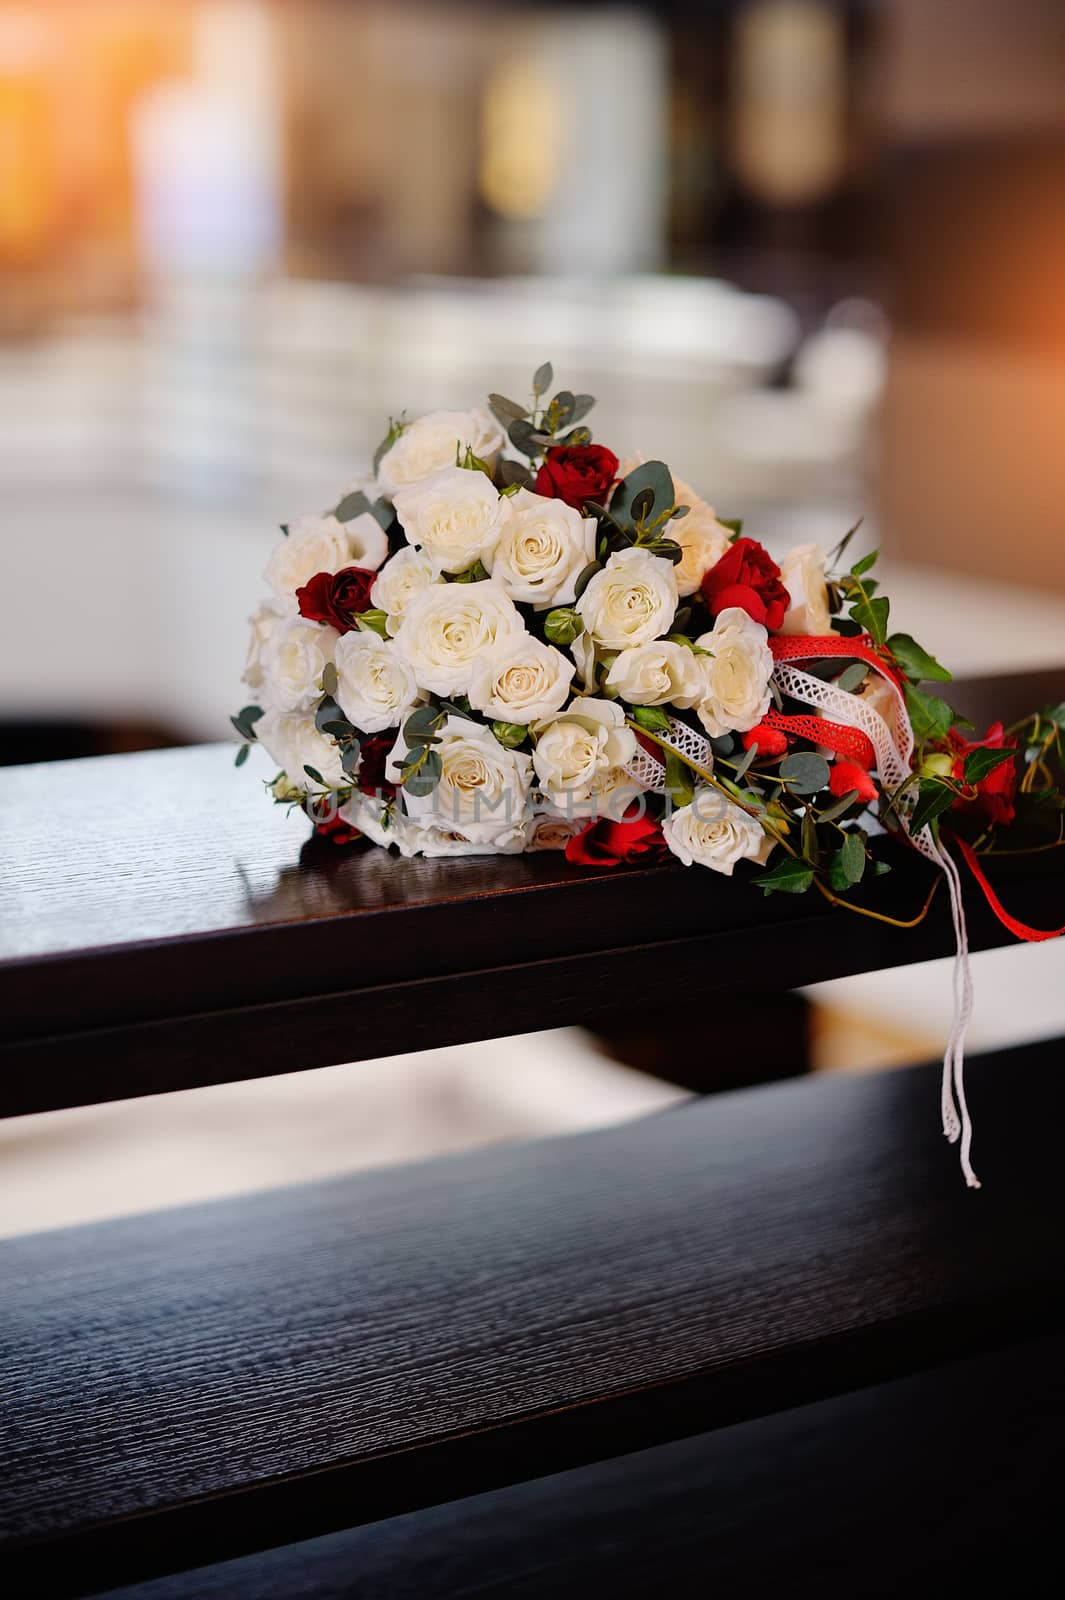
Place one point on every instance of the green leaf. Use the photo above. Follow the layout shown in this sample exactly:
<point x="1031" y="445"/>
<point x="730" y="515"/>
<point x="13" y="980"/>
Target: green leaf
<point x="855" y="674"/>
<point x="242" y="755"/>
<point x="506" y="411"/>
<point x="328" y="711"/>
<point x="585" y="578"/>
<point x="349" y="757"/>
<point x="805" y="773"/>
<point x="561" y="409"/>
<point x="915" y="662"/>
<point x="524" y="437"/>
<point x="576" y="436"/>
<point x="542" y="378"/>
<point x="245" y="721"/>
<point x="312" y="772"/>
<point x="864" y="564"/>
<point x="679" y="780"/>
<point x="1054" y="714"/>
<point x="934" y="796"/>
<point x="475" y="574"/>
<point x="651" y="718"/>
<point x="653" y="475"/>
<point x="422" y="724"/>
<point x="643" y="504"/>
<point x="396" y="426"/>
<point x="787" y="877"/>
<point x="516" y="475"/>
<point x="852" y="857"/>
<point x="734" y="525"/>
<point x="723" y="745"/>
<point x="509" y="734"/>
<point x="667" y="550"/>
<point x="329" y="678"/>
<point x="353" y="505"/>
<point x="872" y="615"/>
<point x="582" y="404"/>
<point x="563" y="625"/>
<point x="374" y="620"/>
<point x="749" y="755"/>
<point x="837" y="809"/>
<point x="424" y="778"/>
<point x="978" y="763"/>
<point x="930" y="716"/>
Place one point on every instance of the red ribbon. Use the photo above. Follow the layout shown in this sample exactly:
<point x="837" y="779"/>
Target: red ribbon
<point x="850" y="742"/>
<point x="809" y="646"/>
<point x="1020" y="930"/>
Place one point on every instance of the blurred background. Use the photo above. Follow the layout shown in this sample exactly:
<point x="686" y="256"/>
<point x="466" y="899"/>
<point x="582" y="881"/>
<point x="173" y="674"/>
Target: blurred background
<point x="812" y="250"/>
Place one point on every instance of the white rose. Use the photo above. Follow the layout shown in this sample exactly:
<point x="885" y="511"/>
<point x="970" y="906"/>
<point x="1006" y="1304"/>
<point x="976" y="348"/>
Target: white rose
<point x="581" y="754"/>
<point x="455" y="516"/>
<point x="715" y="833"/>
<point x="702" y="538"/>
<point x="543" y="550"/>
<point x="520" y="680"/>
<point x="631" y="601"/>
<point x="367" y="541"/>
<point x="545" y="831"/>
<point x="263" y="623"/>
<point x="293" y="741"/>
<point x="483" y="788"/>
<point x="375" y="684"/>
<point x="802" y="573"/>
<point x="736" y="674"/>
<point x="657" y="674"/>
<point x="385" y="825"/>
<point x="430" y="443"/>
<point x="293" y="660"/>
<point x="399" y="580"/>
<point x="314" y="544"/>
<point x="448" y="626"/>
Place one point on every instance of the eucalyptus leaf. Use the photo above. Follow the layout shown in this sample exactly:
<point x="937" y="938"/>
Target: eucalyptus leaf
<point x="329" y="678"/>
<point x="543" y="377"/>
<point x="516" y="473"/>
<point x="242" y="755"/>
<point x="749" y="755"/>
<point x="585" y="578"/>
<point x="349" y="757"/>
<point x="837" y="809"/>
<point x="582" y="404"/>
<point x="351" y="506"/>
<point x="805" y="772"/>
<point x="576" y="436"/>
<point x="422" y="723"/>
<point x="424" y="779"/>
<point x="312" y="772"/>
<point x="506" y="411"/>
<point x="653" y="475"/>
<point x="852" y="857"/>
<point x="853" y="677"/>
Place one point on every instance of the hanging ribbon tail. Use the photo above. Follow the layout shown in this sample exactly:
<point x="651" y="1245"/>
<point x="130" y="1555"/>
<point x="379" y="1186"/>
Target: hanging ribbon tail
<point x="892" y="743"/>
<point x="1019" y="929"/>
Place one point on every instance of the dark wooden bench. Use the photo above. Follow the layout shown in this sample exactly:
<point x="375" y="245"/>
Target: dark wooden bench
<point x="188" y="1387"/>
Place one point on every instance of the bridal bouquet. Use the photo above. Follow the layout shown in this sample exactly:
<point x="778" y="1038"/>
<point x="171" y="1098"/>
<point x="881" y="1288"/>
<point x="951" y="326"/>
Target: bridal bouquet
<point x="505" y="639"/>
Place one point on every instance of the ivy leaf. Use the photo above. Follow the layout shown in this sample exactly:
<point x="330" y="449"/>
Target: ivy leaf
<point x="978" y="763"/>
<point x="915" y="662"/>
<point x="864" y="564"/>
<point x="930" y="716"/>
<point x="934" y="797"/>
<point x="805" y="773"/>
<point x="787" y="877"/>
<point x="872" y="615"/>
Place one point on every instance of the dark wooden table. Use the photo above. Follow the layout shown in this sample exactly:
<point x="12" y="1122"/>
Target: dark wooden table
<point x="196" y="1385"/>
<point x="163" y="925"/>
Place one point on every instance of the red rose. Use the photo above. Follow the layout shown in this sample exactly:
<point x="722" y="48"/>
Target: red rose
<point x="847" y="775"/>
<point x="770" y="741"/>
<point x="748" y="577"/>
<point x="332" y="825"/>
<point x="336" y="597"/>
<point x="576" y="473"/>
<point x="604" y="843"/>
<point x="993" y="801"/>
<point x="370" y="777"/>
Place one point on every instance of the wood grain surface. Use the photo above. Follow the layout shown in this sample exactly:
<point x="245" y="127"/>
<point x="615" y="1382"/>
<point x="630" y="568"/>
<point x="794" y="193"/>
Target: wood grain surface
<point x="196" y="1384"/>
<point x="163" y="926"/>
